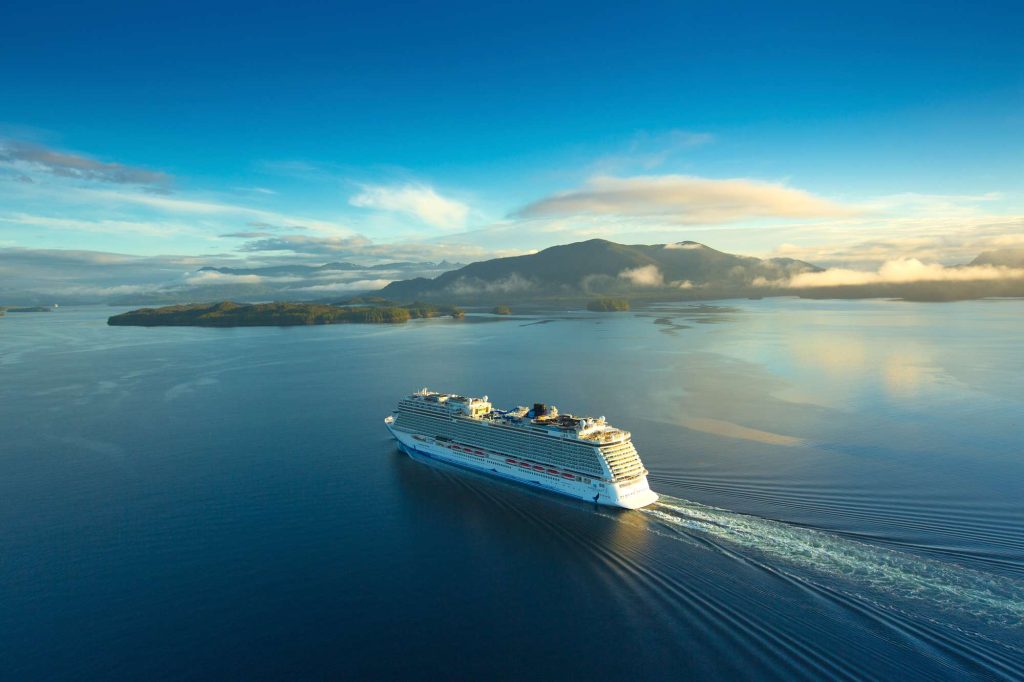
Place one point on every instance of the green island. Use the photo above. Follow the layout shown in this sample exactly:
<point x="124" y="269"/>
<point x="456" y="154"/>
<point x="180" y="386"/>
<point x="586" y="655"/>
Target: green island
<point x="608" y="305"/>
<point x="502" y="310"/>
<point x="230" y="314"/>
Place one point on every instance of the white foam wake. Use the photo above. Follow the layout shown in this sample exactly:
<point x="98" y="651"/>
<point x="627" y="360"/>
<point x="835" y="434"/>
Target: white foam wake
<point x="995" y="600"/>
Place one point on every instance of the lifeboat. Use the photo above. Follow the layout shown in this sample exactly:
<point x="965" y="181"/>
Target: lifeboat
<point x="511" y="461"/>
<point x="525" y="465"/>
<point x="553" y="472"/>
<point x="569" y="476"/>
<point x="537" y="467"/>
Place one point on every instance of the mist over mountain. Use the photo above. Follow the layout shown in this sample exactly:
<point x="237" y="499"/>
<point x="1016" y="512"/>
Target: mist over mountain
<point x="690" y="270"/>
<point x="684" y="270"/>
<point x="44" y="277"/>
<point x="599" y="266"/>
<point x="295" y="282"/>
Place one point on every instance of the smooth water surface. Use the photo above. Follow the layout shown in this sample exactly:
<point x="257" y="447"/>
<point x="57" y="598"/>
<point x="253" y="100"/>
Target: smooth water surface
<point x="841" y="498"/>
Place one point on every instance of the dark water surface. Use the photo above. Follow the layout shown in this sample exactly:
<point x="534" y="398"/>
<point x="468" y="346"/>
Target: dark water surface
<point x="843" y="497"/>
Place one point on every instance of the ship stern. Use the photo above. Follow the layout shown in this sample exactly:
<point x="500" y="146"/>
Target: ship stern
<point x="632" y="495"/>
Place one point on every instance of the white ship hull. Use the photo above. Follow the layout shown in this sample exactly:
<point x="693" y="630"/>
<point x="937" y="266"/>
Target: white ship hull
<point x="632" y="495"/>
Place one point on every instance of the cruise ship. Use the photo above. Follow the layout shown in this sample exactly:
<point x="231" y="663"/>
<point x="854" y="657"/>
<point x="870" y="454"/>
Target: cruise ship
<point x="581" y="457"/>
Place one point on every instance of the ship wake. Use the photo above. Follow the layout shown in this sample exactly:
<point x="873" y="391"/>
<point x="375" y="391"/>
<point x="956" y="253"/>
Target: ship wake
<point x="806" y="553"/>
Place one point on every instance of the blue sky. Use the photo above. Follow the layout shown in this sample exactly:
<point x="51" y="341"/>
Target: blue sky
<point x="846" y="134"/>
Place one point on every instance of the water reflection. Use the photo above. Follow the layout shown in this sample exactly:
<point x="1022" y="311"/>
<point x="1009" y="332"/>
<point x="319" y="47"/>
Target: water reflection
<point x="720" y="427"/>
<point x="272" y="501"/>
<point x="837" y="360"/>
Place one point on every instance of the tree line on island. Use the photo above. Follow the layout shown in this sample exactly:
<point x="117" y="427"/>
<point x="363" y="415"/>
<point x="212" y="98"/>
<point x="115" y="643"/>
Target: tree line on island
<point x="360" y="310"/>
<point x="230" y="314"/>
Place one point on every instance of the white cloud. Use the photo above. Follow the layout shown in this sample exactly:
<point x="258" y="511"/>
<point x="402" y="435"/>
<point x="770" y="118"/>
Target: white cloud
<point x="651" y="276"/>
<point x="204" y="277"/>
<point x="79" y="290"/>
<point x="147" y="228"/>
<point x="214" y="208"/>
<point x="514" y="283"/>
<point x="862" y="245"/>
<point x="644" y="276"/>
<point x="419" y="201"/>
<point x="357" y="285"/>
<point x="903" y="271"/>
<point x="108" y="199"/>
<point x="686" y="200"/>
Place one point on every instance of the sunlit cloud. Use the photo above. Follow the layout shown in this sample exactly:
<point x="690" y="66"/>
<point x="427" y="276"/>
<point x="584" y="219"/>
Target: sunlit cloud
<point x="686" y="200"/>
<point x="419" y="201"/>
<point x="903" y="271"/>
<point x="868" y="245"/>
<point x="644" y="276"/>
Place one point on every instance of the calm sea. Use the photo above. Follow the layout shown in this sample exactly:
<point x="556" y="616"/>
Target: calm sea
<point x="842" y="497"/>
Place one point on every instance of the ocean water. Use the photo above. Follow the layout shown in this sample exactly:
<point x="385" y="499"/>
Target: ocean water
<point x="842" y="497"/>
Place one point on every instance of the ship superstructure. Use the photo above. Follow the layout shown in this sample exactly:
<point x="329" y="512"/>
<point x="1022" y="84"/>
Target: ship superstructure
<point x="583" y="457"/>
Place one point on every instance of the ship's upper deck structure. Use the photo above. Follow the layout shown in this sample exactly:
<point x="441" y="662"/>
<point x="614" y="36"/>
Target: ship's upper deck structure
<point x="542" y="418"/>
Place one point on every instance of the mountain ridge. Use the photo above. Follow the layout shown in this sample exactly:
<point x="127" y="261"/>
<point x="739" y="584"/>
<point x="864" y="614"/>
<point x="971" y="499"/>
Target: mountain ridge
<point x="598" y="266"/>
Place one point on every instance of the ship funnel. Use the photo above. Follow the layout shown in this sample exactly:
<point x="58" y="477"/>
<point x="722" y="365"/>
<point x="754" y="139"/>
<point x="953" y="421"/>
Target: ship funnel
<point x="539" y="410"/>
